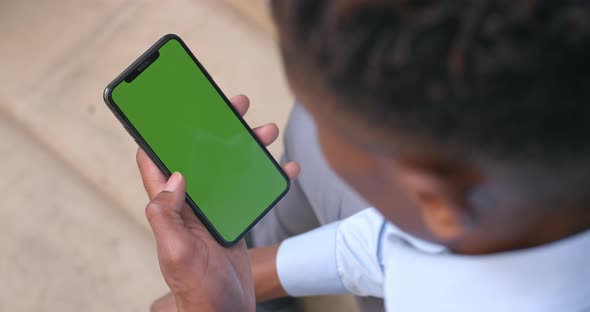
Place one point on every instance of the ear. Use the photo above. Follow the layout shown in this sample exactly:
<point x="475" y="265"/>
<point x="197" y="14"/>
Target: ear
<point x="442" y="200"/>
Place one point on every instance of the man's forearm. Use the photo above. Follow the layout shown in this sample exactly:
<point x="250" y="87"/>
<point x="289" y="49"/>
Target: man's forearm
<point x="264" y="268"/>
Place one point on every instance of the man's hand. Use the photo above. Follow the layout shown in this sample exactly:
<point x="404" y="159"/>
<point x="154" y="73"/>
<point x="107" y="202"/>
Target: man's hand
<point x="201" y="274"/>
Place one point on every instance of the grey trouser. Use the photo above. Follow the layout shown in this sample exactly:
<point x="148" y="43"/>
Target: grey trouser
<point x="318" y="196"/>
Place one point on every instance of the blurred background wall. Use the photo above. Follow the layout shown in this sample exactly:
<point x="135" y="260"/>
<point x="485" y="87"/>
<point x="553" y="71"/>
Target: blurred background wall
<point x="74" y="237"/>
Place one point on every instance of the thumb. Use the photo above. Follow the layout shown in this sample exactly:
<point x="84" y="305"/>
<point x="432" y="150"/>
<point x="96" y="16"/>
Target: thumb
<point x="163" y="211"/>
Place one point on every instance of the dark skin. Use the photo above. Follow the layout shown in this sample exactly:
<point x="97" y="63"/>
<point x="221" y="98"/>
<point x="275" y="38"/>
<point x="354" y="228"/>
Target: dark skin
<point x="412" y="189"/>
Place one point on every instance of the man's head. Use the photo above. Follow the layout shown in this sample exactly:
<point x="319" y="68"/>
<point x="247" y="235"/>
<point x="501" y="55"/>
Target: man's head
<point x="478" y="110"/>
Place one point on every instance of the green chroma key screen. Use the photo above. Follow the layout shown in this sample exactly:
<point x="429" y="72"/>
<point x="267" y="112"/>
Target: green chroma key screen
<point x="190" y="127"/>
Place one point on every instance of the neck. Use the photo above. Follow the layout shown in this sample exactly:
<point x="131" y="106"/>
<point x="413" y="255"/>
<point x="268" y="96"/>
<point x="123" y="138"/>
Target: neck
<point x="552" y="228"/>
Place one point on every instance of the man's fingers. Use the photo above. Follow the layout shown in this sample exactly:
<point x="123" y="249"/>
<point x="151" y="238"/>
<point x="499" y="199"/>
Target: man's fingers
<point x="241" y="103"/>
<point x="292" y="169"/>
<point x="267" y="133"/>
<point x="153" y="179"/>
<point x="163" y="211"/>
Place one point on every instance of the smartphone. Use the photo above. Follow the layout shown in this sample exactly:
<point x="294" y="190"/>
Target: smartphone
<point x="178" y="115"/>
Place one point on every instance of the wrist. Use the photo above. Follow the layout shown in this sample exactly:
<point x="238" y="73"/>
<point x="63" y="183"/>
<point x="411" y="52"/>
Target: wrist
<point x="267" y="284"/>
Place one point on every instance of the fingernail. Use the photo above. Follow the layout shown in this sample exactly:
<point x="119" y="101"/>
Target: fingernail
<point x="173" y="182"/>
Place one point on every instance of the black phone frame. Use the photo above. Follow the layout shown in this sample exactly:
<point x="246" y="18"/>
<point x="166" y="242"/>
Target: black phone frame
<point x="149" y="151"/>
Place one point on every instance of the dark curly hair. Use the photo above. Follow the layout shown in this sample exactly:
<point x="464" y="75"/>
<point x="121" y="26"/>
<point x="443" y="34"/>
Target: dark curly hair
<point x="508" y="79"/>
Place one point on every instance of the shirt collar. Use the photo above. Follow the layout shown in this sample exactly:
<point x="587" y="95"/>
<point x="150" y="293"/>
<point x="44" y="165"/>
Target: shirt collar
<point x="551" y="277"/>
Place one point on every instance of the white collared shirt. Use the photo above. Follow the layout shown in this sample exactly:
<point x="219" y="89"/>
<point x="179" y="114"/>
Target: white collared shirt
<point x="367" y="256"/>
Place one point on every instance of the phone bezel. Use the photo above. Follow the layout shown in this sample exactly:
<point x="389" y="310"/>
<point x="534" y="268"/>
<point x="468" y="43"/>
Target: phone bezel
<point x="149" y="151"/>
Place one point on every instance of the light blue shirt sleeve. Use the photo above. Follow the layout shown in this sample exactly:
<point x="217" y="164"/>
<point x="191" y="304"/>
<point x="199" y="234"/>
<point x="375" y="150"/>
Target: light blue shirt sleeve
<point x="306" y="264"/>
<point x="341" y="257"/>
